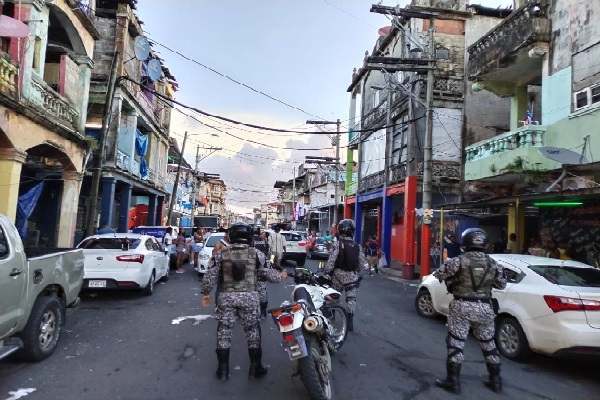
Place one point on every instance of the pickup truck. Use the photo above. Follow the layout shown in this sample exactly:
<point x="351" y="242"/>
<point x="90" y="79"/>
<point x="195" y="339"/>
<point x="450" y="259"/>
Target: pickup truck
<point x="34" y="294"/>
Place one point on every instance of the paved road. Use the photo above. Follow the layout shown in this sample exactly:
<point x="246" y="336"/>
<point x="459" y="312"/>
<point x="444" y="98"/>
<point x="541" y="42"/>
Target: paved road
<point x="127" y="346"/>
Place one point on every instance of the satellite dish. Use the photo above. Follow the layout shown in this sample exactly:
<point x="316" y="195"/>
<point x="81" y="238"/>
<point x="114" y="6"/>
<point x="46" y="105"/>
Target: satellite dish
<point x="141" y="48"/>
<point x="154" y="70"/>
<point x="563" y="156"/>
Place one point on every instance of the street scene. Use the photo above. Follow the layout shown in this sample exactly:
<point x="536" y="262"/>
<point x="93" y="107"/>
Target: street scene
<point x="317" y="199"/>
<point x="127" y="346"/>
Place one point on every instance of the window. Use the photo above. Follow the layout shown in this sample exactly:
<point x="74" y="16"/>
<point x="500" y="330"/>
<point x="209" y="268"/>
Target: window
<point x="569" y="276"/>
<point x="149" y="245"/>
<point x="110" y="244"/>
<point x="581" y="99"/>
<point x="376" y="98"/>
<point x="586" y="97"/>
<point x="595" y="91"/>
<point x="37" y="54"/>
<point x="3" y="244"/>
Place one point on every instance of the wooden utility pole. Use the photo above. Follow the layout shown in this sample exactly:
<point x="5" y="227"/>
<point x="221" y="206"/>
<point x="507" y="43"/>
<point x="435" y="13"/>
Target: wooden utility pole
<point x="193" y="212"/>
<point x="99" y="159"/>
<point x="174" y="194"/>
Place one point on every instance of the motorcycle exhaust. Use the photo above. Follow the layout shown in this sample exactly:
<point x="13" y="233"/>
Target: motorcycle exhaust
<point x="314" y="323"/>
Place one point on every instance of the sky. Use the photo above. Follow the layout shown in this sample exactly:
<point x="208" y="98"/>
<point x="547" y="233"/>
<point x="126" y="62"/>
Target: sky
<point x="299" y="53"/>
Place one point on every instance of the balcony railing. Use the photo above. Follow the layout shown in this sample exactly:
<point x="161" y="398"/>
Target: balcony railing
<point x="135" y="168"/>
<point x="397" y="173"/>
<point x="372" y="181"/>
<point x="141" y="98"/>
<point x="8" y="72"/>
<point x="527" y="136"/>
<point x="54" y="103"/>
<point x="123" y="160"/>
<point x="151" y="175"/>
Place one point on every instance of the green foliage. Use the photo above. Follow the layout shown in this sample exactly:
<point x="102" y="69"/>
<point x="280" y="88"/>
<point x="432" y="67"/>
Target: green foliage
<point x="493" y="168"/>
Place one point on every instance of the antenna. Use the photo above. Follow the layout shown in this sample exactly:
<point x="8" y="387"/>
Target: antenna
<point x="154" y="70"/>
<point x="141" y="48"/>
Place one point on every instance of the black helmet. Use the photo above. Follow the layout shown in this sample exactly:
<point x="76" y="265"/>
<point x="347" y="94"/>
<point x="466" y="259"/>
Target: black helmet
<point x="240" y="233"/>
<point x="474" y="239"/>
<point x="346" y="227"/>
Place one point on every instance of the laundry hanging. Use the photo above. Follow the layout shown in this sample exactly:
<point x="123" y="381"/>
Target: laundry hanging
<point x="141" y="147"/>
<point x="25" y="206"/>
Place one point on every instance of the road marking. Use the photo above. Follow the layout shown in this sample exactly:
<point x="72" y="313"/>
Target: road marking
<point x="20" y="393"/>
<point x="196" y="318"/>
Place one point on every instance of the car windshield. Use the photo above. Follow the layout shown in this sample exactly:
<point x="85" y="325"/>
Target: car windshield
<point x="213" y="239"/>
<point x="291" y="237"/>
<point x="110" y="243"/>
<point x="568" y="276"/>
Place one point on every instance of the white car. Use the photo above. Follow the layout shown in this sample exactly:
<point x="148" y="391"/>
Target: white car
<point x="123" y="261"/>
<point x="549" y="306"/>
<point x="206" y="253"/>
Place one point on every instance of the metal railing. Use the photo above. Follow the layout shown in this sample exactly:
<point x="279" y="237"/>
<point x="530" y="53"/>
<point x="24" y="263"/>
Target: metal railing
<point x="53" y="103"/>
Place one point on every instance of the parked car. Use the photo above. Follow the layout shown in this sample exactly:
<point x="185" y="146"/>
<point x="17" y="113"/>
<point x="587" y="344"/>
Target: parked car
<point x="317" y="248"/>
<point x="206" y="252"/>
<point x="34" y="294"/>
<point x="303" y="238"/>
<point x="549" y="306"/>
<point x="124" y="261"/>
<point x="293" y="250"/>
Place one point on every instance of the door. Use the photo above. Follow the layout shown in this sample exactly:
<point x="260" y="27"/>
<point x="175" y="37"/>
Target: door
<point x="13" y="278"/>
<point x="162" y="264"/>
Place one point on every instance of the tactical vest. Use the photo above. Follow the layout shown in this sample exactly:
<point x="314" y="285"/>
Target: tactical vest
<point x="475" y="277"/>
<point x="348" y="253"/>
<point x="261" y="244"/>
<point x="238" y="269"/>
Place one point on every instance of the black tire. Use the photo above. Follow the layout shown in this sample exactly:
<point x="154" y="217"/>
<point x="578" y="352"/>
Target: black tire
<point x="424" y="304"/>
<point x="511" y="340"/>
<point x="338" y="319"/>
<point x="165" y="277"/>
<point x="42" y="332"/>
<point x="318" y="386"/>
<point x="301" y="262"/>
<point x="149" y="289"/>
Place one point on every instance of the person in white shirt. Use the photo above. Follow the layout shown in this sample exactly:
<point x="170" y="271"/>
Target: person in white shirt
<point x="277" y="246"/>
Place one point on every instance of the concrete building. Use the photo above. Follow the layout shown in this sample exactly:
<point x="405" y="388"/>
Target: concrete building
<point x="322" y="198"/>
<point x="45" y="69"/>
<point x="137" y="141"/>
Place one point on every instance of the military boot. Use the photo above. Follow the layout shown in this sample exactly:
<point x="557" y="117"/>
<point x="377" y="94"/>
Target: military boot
<point x="257" y="369"/>
<point x="452" y="381"/>
<point x="350" y="322"/>
<point x="263" y="310"/>
<point x="494" y="381"/>
<point x="223" y="369"/>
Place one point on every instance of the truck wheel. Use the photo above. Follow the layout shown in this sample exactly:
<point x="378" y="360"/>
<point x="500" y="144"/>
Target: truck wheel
<point x="41" y="334"/>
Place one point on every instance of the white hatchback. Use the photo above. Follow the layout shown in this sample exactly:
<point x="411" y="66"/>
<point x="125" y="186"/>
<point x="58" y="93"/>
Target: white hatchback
<point x="123" y="261"/>
<point x="206" y="253"/>
<point x="549" y="306"/>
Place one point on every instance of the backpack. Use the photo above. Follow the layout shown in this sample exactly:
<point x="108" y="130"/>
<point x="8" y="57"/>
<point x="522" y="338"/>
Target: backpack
<point x="372" y="249"/>
<point x="348" y="253"/>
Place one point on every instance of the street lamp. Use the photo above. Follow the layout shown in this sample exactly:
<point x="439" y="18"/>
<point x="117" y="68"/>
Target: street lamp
<point x="337" y="160"/>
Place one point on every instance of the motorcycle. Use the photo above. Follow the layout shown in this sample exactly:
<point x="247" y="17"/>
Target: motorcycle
<point x="314" y="328"/>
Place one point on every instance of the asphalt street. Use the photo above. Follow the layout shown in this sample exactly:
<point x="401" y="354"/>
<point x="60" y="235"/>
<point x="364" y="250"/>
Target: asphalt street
<point x="123" y="345"/>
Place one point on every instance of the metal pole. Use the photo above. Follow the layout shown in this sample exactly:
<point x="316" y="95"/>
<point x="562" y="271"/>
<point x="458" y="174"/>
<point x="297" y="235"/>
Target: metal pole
<point x="294" y="200"/>
<point x="99" y="160"/>
<point x="337" y="172"/>
<point x="174" y="194"/>
<point x="427" y="153"/>
<point x="194" y="186"/>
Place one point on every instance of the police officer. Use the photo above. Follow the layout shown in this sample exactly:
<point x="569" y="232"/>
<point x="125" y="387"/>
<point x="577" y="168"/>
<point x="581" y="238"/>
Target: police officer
<point x="260" y="243"/>
<point x="238" y="267"/>
<point x="344" y="263"/>
<point x="470" y="278"/>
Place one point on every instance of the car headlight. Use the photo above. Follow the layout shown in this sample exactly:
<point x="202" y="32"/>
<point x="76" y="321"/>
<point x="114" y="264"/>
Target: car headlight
<point x="205" y="257"/>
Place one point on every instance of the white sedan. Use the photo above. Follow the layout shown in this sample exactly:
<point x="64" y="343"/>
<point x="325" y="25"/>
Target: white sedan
<point x="549" y="306"/>
<point x="123" y="261"/>
<point x="206" y="253"/>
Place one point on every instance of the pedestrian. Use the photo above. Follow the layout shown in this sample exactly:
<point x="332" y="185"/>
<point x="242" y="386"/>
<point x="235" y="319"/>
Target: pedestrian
<point x="470" y="278"/>
<point x="344" y="263"/>
<point x="553" y="251"/>
<point x="512" y="246"/>
<point x="373" y="253"/>
<point x="180" y="243"/>
<point x="198" y="245"/>
<point x="105" y="228"/>
<point x="536" y="248"/>
<point x="277" y="246"/>
<point x="452" y="247"/>
<point x="261" y="244"/>
<point x="167" y="242"/>
<point x="236" y="269"/>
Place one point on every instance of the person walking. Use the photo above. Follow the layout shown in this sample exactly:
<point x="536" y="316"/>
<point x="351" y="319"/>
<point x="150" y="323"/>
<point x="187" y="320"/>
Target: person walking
<point x="470" y="278"/>
<point x="237" y="269"/>
<point x="198" y="245"/>
<point x="261" y="244"/>
<point x="180" y="243"/>
<point x="277" y="245"/>
<point x="372" y="251"/>
<point x="344" y="263"/>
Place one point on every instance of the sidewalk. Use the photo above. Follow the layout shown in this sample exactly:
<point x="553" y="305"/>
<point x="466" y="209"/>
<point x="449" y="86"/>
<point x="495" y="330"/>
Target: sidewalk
<point x="396" y="274"/>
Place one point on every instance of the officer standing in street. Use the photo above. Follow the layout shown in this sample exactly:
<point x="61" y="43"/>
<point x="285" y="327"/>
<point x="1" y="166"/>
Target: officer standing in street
<point x="261" y="243"/>
<point x="344" y="263"/>
<point x="470" y="278"/>
<point x="238" y="268"/>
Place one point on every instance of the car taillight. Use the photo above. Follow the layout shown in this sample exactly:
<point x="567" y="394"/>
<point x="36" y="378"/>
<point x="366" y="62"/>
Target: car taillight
<point x="131" y="258"/>
<point x="286" y="319"/>
<point x="559" y="303"/>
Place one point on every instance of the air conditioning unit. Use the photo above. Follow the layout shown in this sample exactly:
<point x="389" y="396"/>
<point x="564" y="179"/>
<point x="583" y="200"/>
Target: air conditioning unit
<point x="578" y="182"/>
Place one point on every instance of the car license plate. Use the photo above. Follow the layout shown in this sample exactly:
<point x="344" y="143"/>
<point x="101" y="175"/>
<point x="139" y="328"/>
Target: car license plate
<point x="97" y="284"/>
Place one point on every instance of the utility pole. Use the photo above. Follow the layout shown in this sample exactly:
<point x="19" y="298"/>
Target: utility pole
<point x="99" y="159"/>
<point x="194" y="186"/>
<point x="294" y="200"/>
<point x="174" y="193"/>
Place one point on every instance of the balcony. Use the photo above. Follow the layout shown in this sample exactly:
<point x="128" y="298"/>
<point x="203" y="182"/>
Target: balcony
<point x="500" y="154"/>
<point x="512" y="52"/>
<point x="372" y="181"/>
<point x="135" y="168"/>
<point x="397" y="173"/>
<point x="123" y="161"/>
<point x="8" y="72"/>
<point x="140" y="97"/>
<point x="53" y="103"/>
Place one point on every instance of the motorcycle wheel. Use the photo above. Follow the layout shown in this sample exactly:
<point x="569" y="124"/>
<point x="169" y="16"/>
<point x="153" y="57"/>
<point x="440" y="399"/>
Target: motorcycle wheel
<point x="337" y="318"/>
<point x="315" y="371"/>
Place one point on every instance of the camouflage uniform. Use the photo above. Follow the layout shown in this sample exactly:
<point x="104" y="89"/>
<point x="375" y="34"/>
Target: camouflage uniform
<point x="340" y="277"/>
<point x="232" y="302"/>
